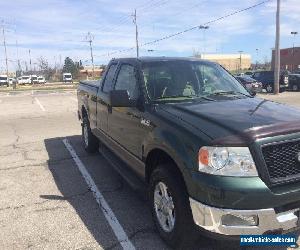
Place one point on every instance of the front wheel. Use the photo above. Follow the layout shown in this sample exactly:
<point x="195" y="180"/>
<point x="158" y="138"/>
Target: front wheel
<point x="90" y="142"/>
<point x="171" y="208"/>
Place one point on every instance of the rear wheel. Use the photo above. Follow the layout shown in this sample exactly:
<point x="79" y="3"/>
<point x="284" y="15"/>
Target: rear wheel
<point x="171" y="208"/>
<point x="90" y="142"/>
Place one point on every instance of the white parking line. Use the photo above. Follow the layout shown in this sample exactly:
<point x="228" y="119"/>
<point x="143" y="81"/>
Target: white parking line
<point x="38" y="102"/>
<point x="108" y="213"/>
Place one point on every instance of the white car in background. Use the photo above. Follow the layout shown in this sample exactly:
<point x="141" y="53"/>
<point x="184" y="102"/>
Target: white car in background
<point x="41" y="80"/>
<point x="26" y="80"/>
<point x="67" y="77"/>
<point x="34" y="79"/>
<point x="11" y="81"/>
<point x="3" y="80"/>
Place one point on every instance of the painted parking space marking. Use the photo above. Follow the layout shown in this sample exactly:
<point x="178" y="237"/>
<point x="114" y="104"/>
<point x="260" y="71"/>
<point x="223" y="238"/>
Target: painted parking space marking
<point x="107" y="211"/>
<point x="39" y="103"/>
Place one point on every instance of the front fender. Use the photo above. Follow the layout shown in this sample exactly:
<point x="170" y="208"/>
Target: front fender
<point x="181" y="150"/>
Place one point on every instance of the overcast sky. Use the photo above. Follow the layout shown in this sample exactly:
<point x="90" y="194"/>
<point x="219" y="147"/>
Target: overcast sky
<point x="55" y="29"/>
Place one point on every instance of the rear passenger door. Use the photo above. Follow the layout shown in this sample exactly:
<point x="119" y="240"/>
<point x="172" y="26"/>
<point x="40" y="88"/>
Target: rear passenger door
<point x="103" y="97"/>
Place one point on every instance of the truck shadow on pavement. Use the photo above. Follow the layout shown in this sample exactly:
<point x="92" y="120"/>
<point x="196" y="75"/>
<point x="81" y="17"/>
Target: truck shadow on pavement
<point x="130" y="208"/>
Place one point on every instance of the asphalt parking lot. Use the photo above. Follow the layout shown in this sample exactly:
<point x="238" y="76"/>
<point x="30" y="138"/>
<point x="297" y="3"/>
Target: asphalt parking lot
<point x="46" y="202"/>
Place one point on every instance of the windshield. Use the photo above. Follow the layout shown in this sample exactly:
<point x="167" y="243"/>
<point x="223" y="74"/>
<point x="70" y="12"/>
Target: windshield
<point x="3" y="78"/>
<point x="40" y="78"/>
<point x="68" y="76"/>
<point x="188" y="79"/>
<point x="25" y="77"/>
<point x="34" y="78"/>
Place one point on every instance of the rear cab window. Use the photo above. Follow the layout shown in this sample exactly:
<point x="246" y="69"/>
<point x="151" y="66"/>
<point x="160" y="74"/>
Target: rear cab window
<point x="126" y="80"/>
<point x="108" y="83"/>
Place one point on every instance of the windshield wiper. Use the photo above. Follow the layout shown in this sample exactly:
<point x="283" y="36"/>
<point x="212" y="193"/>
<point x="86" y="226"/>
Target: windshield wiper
<point x="186" y="96"/>
<point x="229" y="93"/>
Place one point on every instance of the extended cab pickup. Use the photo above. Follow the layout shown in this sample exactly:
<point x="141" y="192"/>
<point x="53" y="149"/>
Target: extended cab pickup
<point x="213" y="156"/>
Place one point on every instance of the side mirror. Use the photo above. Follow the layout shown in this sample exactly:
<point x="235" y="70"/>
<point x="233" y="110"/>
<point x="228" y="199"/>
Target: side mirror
<point x="120" y="98"/>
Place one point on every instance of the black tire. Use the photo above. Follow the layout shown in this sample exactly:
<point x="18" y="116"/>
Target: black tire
<point x="90" y="142"/>
<point x="183" y="233"/>
<point x="269" y="88"/>
<point x="295" y="87"/>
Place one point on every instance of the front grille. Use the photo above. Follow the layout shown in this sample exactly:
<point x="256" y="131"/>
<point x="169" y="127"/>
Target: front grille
<point x="282" y="160"/>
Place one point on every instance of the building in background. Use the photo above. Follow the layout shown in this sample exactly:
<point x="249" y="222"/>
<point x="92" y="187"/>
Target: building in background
<point x="289" y="59"/>
<point x="231" y="62"/>
<point x="87" y="72"/>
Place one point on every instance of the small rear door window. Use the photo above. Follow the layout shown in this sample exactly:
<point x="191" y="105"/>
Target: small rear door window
<point x="109" y="78"/>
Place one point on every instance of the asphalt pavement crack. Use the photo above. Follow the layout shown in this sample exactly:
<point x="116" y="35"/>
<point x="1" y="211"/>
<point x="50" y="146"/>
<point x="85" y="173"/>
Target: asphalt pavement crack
<point x="44" y="164"/>
<point x="49" y="209"/>
<point x="11" y="207"/>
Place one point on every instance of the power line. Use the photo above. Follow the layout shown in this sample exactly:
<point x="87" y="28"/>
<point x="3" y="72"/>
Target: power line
<point x="204" y="24"/>
<point x="187" y="30"/>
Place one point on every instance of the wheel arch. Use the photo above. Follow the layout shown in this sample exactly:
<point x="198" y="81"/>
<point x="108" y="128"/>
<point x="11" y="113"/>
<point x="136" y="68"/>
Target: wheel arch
<point x="158" y="156"/>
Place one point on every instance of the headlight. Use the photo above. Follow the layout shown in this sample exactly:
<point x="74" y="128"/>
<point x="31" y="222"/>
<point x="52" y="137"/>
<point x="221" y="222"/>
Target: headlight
<point x="228" y="161"/>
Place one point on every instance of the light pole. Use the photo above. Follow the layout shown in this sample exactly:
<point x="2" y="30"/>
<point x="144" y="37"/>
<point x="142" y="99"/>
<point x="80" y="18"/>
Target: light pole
<point x="240" y="60"/>
<point x="256" y="59"/>
<point x="204" y="28"/>
<point x="294" y="33"/>
<point x="277" y="51"/>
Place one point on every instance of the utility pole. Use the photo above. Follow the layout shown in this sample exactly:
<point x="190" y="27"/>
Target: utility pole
<point x="136" y="33"/>
<point x="89" y="39"/>
<point x="277" y="51"/>
<point x="294" y="33"/>
<point x="5" y="51"/>
<point x="241" y="60"/>
<point x="204" y="28"/>
<point x="30" y="61"/>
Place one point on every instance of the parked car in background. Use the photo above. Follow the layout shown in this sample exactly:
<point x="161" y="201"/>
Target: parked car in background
<point x="41" y="80"/>
<point x="249" y="73"/>
<point x="19" y="80"/>
<point x="34" y="79"/>
<point x="25" y="80"/>
<point x="4" y="80"/>
<point x="294" y="82"/>
<point x="67" y="77"/>
<point x="11" y="80"/>
<point x="267" y="80"/>
<point x="251" y="84"/>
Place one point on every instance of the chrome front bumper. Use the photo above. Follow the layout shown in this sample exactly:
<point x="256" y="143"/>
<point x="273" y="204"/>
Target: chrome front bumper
<point x="213" y="219"/>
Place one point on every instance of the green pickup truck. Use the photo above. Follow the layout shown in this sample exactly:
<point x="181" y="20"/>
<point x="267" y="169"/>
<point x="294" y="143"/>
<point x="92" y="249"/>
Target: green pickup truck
<point x="210" y="154"/>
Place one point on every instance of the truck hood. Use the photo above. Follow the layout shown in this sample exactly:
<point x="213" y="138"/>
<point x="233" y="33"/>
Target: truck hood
<point x="238" y="121"/>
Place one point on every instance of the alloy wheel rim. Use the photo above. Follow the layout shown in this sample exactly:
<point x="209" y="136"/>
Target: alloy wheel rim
<point x="269" y="88"/>
<point x="164" y="207"/>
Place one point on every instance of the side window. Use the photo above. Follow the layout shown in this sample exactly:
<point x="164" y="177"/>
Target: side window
<point x="126" y="80"/>
<point x="108" y="82"/>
